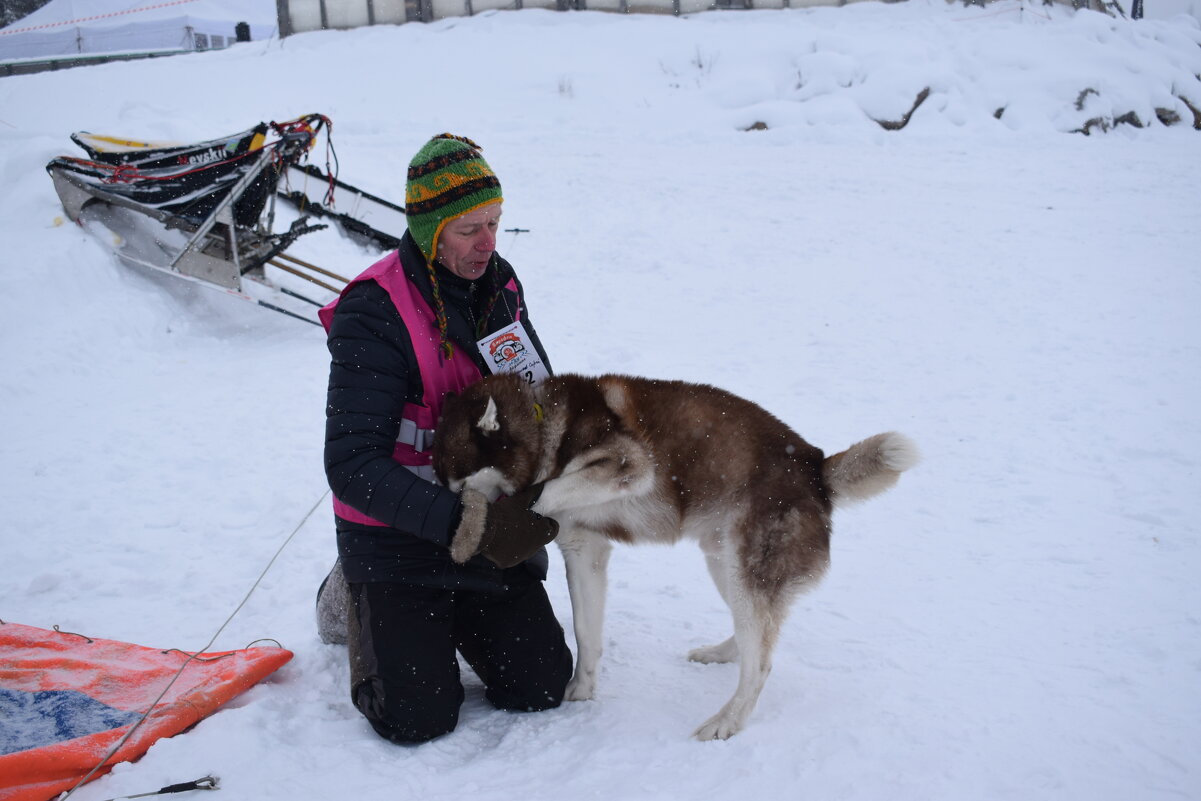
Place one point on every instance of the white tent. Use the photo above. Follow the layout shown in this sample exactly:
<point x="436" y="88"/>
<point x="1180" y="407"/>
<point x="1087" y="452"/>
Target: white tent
<point x="66" y="28"/>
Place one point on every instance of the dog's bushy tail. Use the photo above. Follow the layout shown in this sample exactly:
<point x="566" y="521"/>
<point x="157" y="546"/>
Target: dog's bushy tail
<point x="867" y="468"/>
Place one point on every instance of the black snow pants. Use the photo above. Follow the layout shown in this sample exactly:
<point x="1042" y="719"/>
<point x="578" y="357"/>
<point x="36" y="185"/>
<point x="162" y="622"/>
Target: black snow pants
<point x="402" y="644"/>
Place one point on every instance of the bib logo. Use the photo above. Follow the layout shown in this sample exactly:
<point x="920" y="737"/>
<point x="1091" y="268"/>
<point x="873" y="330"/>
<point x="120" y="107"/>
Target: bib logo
<point x="509" y="351"/>
<point x="506" y="348"/>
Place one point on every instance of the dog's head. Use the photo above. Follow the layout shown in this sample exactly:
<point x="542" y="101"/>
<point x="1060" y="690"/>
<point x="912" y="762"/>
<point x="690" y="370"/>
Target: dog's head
<point x="489" y="438"/>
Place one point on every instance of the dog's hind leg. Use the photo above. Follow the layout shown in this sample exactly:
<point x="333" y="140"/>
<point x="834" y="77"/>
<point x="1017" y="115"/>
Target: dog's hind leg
<point x="724" y="651"/>
<point x="586" y="556"/>
<point x="756" y="627"/>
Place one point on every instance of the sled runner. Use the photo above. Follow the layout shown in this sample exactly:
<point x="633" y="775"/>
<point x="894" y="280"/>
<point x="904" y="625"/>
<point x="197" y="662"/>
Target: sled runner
<point x="205" y="212"/>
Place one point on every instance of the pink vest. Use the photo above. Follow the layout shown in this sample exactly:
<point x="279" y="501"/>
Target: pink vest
<point x="438" y="376"/>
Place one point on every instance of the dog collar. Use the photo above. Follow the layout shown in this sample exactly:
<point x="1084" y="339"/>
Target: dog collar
<point x="538" y="415"/>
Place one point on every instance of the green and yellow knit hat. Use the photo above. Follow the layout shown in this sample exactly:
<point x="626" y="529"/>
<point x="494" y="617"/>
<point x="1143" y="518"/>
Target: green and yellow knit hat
<point x="447" y="178"/>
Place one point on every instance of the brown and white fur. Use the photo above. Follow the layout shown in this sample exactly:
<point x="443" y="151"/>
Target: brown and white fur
<point x="636" y="460"/>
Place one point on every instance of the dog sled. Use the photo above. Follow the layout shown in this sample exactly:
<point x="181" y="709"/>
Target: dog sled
<point x="206" y="212"/>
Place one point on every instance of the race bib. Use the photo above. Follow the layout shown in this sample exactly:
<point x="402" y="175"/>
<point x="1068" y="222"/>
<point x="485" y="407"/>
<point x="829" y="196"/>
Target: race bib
<point x="510" y="350"/>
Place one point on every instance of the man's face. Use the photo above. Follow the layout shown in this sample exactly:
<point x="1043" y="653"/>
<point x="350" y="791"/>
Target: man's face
<point x="466" y="243"/>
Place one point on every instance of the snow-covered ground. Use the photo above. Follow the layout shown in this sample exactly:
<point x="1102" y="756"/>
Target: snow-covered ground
<point x="1019" y="619"/>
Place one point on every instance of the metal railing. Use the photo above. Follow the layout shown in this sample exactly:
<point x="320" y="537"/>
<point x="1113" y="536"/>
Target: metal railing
<point x="299" y="16"/>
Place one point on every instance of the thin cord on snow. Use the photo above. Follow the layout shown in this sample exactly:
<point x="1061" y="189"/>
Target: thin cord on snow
<point x="205" y="783"/>
<point x="73" y="634"/>
<point x="117" y="746"/>
<point x="278" y="644"/>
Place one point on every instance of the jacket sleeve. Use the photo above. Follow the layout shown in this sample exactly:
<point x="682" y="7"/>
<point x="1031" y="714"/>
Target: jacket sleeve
<point x="372" y="374"/>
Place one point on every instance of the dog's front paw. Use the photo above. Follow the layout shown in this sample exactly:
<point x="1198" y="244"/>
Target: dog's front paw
<point x="721" y="653"/>
<point x="469" y="535"/>
<point x="581" y="687"/>
<point x="721" y="726"/>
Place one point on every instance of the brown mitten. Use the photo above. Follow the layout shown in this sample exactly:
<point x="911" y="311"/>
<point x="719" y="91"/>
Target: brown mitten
<point x="506" y="531"/>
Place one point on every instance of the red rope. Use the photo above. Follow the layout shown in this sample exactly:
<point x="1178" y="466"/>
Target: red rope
<point x="302" y="123"/>
<point x="127" y="173"/>
<point x="98" y="16"/>
<point x="123" y="174"/>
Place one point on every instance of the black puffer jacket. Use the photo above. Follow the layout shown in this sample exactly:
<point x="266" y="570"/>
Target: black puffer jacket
<point x="373" y="374"/>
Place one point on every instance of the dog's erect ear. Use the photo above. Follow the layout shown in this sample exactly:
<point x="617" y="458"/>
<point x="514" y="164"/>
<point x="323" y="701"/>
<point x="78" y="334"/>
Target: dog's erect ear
<point x="489" y="422"/>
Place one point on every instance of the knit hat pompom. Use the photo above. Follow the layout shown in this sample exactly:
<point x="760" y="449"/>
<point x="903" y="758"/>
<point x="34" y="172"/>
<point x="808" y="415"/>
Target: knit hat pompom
<point x="447" y="179"/>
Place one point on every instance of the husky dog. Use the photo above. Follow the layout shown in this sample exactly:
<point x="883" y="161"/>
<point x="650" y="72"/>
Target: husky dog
<point x="636" y="460"/>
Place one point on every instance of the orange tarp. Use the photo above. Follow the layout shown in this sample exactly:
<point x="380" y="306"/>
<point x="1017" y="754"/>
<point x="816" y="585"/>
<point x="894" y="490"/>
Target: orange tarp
<point x="49" y="675"/>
